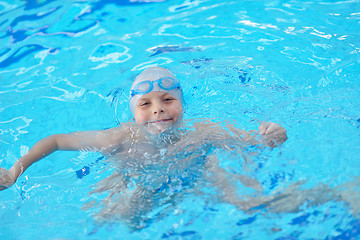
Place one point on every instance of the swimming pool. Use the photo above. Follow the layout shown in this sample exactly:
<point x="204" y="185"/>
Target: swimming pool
<point x="67" y="66"/>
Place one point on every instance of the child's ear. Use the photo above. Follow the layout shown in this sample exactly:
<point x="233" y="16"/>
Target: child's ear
<point x="131" y="119"/>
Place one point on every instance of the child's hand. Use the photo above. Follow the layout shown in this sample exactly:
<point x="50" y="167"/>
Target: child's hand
<point x="274" y="134"/>
<point x="6" y="179"/>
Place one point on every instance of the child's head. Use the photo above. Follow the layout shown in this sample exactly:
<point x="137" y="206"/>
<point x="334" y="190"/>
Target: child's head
<point x="156" y="98"/>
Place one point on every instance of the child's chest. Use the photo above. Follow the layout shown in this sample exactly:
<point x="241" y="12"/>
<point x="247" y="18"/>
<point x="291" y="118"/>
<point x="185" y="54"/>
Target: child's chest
<point x="149" y="163"/>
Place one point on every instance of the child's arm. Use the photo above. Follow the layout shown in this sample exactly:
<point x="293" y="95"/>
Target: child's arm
<point x="273" y="134"/>
<point x="103" y="141"/>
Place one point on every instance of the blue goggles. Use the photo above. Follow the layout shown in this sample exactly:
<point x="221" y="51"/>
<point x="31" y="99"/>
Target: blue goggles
<point x="144" y="87"/>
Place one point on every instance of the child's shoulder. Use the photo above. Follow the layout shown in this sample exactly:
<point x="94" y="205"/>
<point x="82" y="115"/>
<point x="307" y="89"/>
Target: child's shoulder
<point x="123" y="132"/>
<point x="205" y="124"/>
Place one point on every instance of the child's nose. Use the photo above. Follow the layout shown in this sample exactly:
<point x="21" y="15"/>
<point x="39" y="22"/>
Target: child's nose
<point x="158" y="108"/>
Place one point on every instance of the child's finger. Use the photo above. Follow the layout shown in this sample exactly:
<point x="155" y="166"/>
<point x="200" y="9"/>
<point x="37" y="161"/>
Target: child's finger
<point x="263" y="128"/>
<point x="273" y="127"/>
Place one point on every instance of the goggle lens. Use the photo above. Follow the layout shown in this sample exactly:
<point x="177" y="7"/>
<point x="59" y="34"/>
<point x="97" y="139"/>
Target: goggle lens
<point x="167" y="83"/>
<point x="144" y="87"/>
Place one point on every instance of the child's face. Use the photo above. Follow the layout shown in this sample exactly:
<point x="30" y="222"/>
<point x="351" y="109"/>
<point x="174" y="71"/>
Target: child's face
<point x="159" y="109"/>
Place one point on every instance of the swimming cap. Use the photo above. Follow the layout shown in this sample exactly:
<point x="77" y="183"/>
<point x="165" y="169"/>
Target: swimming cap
<point x="154" y="75"/>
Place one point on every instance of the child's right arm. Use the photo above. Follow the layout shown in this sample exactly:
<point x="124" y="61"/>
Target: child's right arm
<point x="103" y="141"/>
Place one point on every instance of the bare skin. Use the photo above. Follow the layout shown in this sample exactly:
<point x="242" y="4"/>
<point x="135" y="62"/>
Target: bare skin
<point x="155" y="110"/>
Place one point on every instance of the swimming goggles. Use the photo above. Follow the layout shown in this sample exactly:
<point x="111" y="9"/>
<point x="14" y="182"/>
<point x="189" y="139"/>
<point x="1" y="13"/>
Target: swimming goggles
<point x="144" y="87"/>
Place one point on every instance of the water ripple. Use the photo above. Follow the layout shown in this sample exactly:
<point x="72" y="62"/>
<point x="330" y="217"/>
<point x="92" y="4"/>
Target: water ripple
<point x="169" y="49"/>
<point x="8" y="135"/>
<point x="27" y="50"/>
<point x="108" y="53"/>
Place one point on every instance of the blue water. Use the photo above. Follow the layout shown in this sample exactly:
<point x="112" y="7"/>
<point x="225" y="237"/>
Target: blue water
<point x="67" y="66"/>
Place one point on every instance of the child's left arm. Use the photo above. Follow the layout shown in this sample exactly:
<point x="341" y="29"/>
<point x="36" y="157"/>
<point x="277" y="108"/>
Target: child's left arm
<point x="269" y="133"/>
<point x="273" y="134"/>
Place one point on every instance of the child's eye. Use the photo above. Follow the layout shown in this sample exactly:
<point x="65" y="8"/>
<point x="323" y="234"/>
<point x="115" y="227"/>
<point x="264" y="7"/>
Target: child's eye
<point x="144" y="104"/>
<point x="168" y="99"/>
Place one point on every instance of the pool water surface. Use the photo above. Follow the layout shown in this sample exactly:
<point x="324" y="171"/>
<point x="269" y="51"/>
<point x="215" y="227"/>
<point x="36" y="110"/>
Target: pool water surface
<point x="68" y="66"/>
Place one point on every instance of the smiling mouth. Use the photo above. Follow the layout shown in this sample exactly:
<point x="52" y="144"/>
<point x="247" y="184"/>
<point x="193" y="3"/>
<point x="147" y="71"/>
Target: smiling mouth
<point x="158" y="126"/>
<point x="160" y="121"/>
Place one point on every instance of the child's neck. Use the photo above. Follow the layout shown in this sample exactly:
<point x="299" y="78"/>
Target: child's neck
<point x="164" y="139"/>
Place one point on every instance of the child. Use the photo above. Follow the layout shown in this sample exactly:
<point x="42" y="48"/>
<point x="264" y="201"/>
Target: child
<point x="153" y="144"/>
<point x="156" y="101"/>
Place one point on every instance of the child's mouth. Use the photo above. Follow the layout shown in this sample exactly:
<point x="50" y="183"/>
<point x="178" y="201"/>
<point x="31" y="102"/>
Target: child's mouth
<point x="159" y="126"/>
<point x="160" y="121"/>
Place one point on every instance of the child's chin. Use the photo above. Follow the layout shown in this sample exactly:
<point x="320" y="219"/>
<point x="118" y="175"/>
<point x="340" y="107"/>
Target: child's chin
<point x="158" y="127"/>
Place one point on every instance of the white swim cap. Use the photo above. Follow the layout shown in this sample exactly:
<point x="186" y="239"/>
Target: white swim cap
<point x="156" y="79"/>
